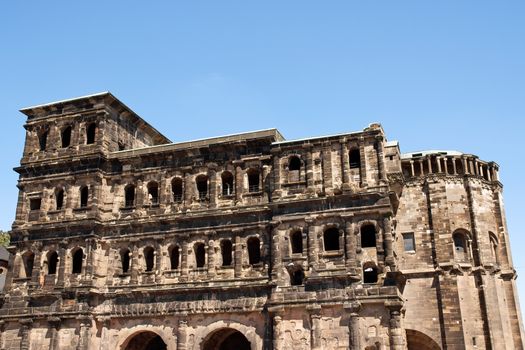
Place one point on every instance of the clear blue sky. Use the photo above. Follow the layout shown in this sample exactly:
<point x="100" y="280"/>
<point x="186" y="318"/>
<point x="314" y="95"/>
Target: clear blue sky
<point x="446" y="75"/>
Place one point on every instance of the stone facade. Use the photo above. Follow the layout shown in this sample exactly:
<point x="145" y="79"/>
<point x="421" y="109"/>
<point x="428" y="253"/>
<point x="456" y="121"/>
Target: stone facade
<point x="124" y="240"/>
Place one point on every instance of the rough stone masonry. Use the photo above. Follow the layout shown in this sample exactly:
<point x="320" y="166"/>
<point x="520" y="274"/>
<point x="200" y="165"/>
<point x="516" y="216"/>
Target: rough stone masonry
<point x="124" y="240"/>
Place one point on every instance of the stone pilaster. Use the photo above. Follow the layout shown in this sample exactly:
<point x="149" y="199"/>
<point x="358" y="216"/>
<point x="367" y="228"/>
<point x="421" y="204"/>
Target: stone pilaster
<point x="84" y="333"/>
<point x="327" y="168"/>
<point x="25" y="330"/>
<point x="238" y="255"/>
<point x="61" y="264"/>
<point x="389" y="251"/>
<point x="362" y="169"/>
<point x="354" y="336"/>
<point x="213" y="187"/>
<point x="310" y="184"/>
<point x="182" y="335"/>
<point x="211" y="257"/>
<point x="345" y="162"/>
<point x="397" y="338"/>
<point x="315" y="327"/>
<point x="312" y="246"/>
<point x="276" y="253"/>
<point x="184" y="258"/>
<point x="277" y="332"/>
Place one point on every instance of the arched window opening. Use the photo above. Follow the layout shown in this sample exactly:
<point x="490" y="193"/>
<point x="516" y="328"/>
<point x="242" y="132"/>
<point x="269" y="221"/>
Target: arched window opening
<point x="149" y="258"/>
<point x="331" y="239"/>
<point x="253" y="180"/>
<point x="297" y="277"/>
<point x="355" y="158"/>
<point x="202" y="186"/>
<point x="52" y="262"/>
<point x="296" y="239"/>
<point x="226" y="251"/>
<point x="28" y="260"/>
<point x="460" y="245"/>
<point x="91" y="133"/>
<point x="42" y="140"/>
<point x="368" y="236"/>
<point x="84" y="196"/>
<point x="254" y="250"/>
<point x="494" y="247"/>
<point x="78" y="256"/>
<point x="65" y="137"/>
<point x="294" y="164"/>
<point x="176" y="189"/>
<point x="227" y="183"/>
<point x="153" y="192"/>
<point x="129" y="194"/>
<point x="369" y="273"/>
<point x="59" y="199"/>
<point x="200" y="255"/>
<point x="125" y="260"/>
<point x="174" y="257"/>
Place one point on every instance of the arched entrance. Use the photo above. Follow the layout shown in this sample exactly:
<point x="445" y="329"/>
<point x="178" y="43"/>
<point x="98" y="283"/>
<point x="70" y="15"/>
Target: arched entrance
<point x="144" y="341"/>
<point x="226" y="339"/>
<point x="420" y="341"/>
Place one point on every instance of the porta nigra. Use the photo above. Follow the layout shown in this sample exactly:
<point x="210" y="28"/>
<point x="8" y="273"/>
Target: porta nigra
<point x="124" y="240"/>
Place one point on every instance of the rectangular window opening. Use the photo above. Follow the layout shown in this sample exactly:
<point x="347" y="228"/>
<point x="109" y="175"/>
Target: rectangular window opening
<point x="409" y="242"/>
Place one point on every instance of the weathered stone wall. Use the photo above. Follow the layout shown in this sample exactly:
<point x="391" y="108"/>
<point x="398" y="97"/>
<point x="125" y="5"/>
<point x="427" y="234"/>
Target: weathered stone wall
<point x="283" y="244"/>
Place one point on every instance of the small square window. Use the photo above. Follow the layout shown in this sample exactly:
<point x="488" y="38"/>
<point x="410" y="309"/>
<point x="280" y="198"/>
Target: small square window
<point x="34" y="203"/>
<point x="409" y="242"/>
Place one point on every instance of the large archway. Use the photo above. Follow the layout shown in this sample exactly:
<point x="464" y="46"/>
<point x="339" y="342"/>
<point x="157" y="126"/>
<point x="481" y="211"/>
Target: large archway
<point x="420" y="341"/>
<point x="144" y="341"/>
<point x="226" y="339"/>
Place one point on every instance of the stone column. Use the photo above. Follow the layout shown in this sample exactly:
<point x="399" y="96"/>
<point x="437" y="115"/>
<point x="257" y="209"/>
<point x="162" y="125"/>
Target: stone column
<point x="211" y="257"/>
<point x="446" y="165"/>
<point x="389" y="251"/>
<point x="182" y="335"/>
<point x="184" y="258"/>
<point x="310" y="184"/>
<point x="438" y="161"/>
<point x="276" y="252"/>
<point x="454" y="166"/>
<point x="276" y="190"/>
<point x="397" y="339"/>
<point x="106" y="326"/>
<point x="412" y="168"/>
<point x="134" y="268"/>
<point x="213" y="187"/>
<point x="316" y="332"/>
<point x="350" y="246"/>
<point x="239" y="183"/>
<point x="429" y="162"/>
<point x="380" y="159"/>
<point x="85" y="325"/>
<point x="188" y="188"/>
<point x="87" y="267"/>
<point x="277" y="332"/>
<point x="345" y="161"/>
<point x="312" y="245"/>
<point x="25" y="329"/>
<point x="354" y="336"/>
<point x="61" y="263"/>
<point x="327" y="168"/>
<point x="362" y="156"/>
<point x="238" y="255"/>
<point x="2" y="330"/>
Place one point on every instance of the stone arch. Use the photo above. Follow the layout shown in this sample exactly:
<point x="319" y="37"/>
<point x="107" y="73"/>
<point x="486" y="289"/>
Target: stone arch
<point x="461" y="244"/>
<point x="133" y="336"/>
<point x="361" y="224"/>
<point x="420" y="341"/>
<point x="208" y="332"/>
